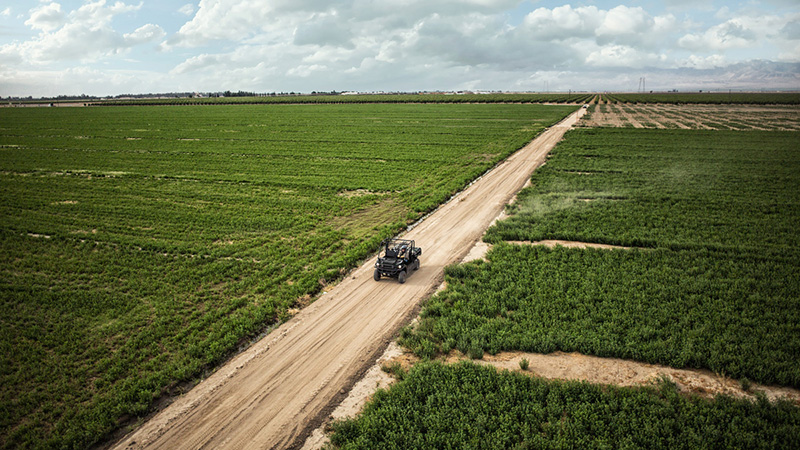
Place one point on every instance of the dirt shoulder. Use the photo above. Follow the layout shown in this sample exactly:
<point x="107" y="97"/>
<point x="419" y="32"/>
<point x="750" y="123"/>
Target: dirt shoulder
<point x="277" y="391"/>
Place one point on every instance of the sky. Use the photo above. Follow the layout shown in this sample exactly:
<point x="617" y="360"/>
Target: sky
<point x="115" y="47"/>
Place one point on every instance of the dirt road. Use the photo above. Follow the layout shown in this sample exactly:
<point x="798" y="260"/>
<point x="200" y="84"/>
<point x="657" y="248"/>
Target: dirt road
<point x="274" y="393"/>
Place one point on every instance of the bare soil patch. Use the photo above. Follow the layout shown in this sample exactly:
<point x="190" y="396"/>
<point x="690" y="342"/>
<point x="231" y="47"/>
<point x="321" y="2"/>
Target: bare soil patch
<point x="698" y="117"/>
<point x="552" y="243"/>
<point x="620" y="372"/>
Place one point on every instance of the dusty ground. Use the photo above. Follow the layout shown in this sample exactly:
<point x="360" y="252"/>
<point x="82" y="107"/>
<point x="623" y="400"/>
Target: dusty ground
<point x="698" y="117"/>
<point x="277" y="391"/>
<point x="621" y="372"/>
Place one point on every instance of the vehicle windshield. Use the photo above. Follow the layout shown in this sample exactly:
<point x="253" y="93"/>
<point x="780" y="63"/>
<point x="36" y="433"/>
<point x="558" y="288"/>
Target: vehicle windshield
<point x="396" y="249"/>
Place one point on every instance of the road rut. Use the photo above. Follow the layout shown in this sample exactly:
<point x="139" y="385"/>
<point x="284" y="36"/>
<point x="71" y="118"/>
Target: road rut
<point x="274" y="393"/>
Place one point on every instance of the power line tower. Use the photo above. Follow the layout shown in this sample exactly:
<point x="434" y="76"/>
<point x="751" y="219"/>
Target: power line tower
<point x="641" y="87"/>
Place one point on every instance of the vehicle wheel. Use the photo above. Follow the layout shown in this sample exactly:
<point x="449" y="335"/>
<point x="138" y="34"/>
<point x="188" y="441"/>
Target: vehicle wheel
<point x="401" y="277"/>
<point x="376" y="275"/>
<point x="416" y="264"/>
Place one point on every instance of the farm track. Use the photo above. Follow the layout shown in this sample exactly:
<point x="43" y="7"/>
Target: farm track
<point x="276" y="392"/>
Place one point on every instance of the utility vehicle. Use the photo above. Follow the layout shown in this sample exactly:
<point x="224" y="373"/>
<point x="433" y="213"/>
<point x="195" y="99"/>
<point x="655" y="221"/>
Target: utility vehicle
<point x="396" y="259"/>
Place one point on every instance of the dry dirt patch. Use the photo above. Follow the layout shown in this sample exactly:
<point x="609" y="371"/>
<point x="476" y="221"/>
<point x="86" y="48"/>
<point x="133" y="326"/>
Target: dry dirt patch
<point x="620" y="372"/>
<point x="698" y="117"/>
<point x="552" y="243"/>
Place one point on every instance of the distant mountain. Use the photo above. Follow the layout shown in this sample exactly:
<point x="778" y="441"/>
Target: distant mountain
<point x="751" y="75"/>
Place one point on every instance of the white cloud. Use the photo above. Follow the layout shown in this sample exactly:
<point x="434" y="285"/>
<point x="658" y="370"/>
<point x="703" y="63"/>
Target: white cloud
<point x="80" y="79"/>
<point x="622" y="20"/>
<point x="6" y="12"/>
<point x="745" y="31"/>
<point x="305" y="71"/>
<point x="144" y="34"/>
<point x="699" y="62"/>
<point x="621" y="25"/>
<point x="199" y="62"/>
<point x="624" y="56"/>
<point x="46" y="17"/>
<point x="563" y="22"/>
<point x="187" y="9"/>
<point x="324" y="29"/>
<point x="84" y="34"/>
<point x="729" y="35"/>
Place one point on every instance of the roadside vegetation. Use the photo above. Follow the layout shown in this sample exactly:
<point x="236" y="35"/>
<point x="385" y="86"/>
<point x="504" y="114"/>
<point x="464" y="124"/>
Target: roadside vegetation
<point x="141" y="246"/>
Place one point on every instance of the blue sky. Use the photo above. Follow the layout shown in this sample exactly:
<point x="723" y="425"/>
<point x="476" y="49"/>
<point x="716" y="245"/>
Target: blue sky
<point x="110" y="47"/>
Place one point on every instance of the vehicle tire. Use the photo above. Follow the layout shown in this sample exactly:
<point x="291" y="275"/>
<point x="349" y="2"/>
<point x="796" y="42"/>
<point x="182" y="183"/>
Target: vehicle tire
<point x="401" y="277"/>
<point x="416" y="264"/>
<point x="376" y="275"/>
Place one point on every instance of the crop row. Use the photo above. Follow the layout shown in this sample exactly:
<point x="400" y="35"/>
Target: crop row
<point x="133" y="260"/>
<point x="468" y="406"/>
<point x="669" y="188"/>
<point x="368" y="98"/>
<point x="714" y="286"/>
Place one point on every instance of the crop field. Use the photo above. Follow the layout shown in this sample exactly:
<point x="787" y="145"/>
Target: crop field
<point x="368" y="98"/>
<point x="468" y="406"/>
<point x="712" y="281"/>
<point x="714" y="284"/>
<point x="143" y="245"/>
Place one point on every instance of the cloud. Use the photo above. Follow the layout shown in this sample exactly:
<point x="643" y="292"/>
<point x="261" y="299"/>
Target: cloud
<point x="337" y="43"/>
<point x="144" y="34"/>
<point x="752" y="29"/>
<point x="624" y="21"/>
<point x="235" y="20"/>
<point x="84" y="34"/>
<point x="47" y="17"/>
<point x="624" y="56"/>
<point x="702" y="63"/>
<point x="563" y="22"/>
<point x="187" y="9"/>
<point x="729" y="35"/>
<point x="322" y="30"/>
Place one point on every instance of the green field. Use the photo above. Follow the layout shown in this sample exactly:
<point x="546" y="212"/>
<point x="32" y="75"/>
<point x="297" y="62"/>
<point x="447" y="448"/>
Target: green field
<point x="367" y="98"/>
<point x="468" y="406"/>
<point x="714" y="283"/>
<point x="143" y="245"/>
